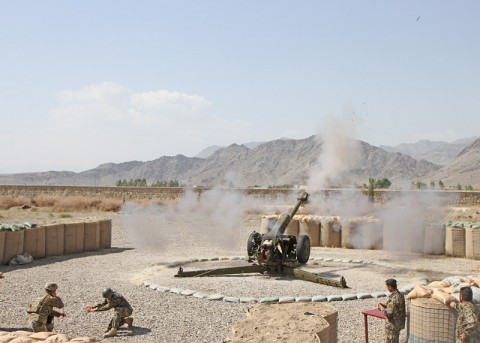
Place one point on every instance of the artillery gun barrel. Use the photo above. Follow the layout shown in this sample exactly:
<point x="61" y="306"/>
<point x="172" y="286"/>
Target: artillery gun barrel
<point x="285" y="219"/>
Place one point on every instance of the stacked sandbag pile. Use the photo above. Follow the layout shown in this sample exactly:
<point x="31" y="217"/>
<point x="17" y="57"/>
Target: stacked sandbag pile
<point x="47" y="337"/>
<point x="448" y="289"/>
<point x="431" y="319"/>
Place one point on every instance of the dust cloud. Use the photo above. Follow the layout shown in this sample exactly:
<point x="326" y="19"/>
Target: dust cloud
<point x="340" y="153"/>
<point x="396" y="225"/>
<point x="211" y="219"/>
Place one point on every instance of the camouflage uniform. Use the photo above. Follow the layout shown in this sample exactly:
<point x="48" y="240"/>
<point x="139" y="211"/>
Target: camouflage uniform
<point x="468" y="323"/>
<point x="395" y="313"/>
<point x="122" y="309"/>
<point x="42" y="313"/>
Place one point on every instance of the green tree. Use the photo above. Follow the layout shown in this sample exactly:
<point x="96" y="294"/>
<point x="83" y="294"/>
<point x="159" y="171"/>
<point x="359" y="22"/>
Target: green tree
<point x="420" y="185"/>
<point x="459" y="187"/>
<point x="440" y="184"/>
<point x="432" y="184"/>
<point x="371" y="189"/>
<point x="383" y="183"/>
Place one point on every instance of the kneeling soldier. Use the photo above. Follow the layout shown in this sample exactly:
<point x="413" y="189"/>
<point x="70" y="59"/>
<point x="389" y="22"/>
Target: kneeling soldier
<point x="41" y="310"/>
<point x="121" y="314"/>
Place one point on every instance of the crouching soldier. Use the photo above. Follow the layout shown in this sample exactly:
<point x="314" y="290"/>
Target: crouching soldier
<point x="121" y="314"/>
<point x="41" y="311"/>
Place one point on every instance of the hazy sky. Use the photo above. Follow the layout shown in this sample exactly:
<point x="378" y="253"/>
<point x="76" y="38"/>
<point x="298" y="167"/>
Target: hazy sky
<point x="88" y="82"/>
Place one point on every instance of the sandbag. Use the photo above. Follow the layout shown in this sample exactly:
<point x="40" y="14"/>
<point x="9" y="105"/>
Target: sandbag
<point x="84" y="339"/>
<point x="21" y="333"/>
<point x="6" y="338"/>
<point x="22" y="339"/>
<point x="41" y="336"/>
<point x="24" y="258"/>
<point x="58" y="338"/>
<point x="442" y="296"/>
<point x="439" y="284"/>
<point x="419" y="292"/>
<point x="448" y="290"/>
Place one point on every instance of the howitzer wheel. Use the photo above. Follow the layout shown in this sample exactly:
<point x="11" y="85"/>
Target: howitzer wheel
<point x="303" y="249"/>
<point x="254" y="240"/>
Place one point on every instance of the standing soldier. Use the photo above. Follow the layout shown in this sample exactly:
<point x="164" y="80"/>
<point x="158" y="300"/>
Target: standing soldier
<point x="121" y="314"/>
<point x="468" y="327"/>
<point x="394" y="310"/>
<point x="41" y="310"/>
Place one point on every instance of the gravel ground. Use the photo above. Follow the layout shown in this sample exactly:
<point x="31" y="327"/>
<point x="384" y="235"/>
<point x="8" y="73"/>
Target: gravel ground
<point x="168" y="317"/>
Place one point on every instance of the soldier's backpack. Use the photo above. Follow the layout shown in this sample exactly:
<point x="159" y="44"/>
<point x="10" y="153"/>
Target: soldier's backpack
<point x="36" y="305"/>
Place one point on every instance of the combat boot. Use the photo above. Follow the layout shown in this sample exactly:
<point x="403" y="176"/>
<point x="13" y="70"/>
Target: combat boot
<point x="129" y="322"/>
<point x="111" y="333"/>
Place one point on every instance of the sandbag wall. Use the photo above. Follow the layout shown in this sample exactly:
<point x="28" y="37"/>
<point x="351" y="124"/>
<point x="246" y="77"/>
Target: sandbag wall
<point x="56" y="240"/>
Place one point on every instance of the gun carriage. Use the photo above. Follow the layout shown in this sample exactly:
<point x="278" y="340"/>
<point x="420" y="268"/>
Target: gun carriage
<point x="275" y="253"/>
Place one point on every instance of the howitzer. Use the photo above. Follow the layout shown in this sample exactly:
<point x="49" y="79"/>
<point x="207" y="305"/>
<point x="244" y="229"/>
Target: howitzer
<point x="274" y="253"/>
<point x="275" y="247"/>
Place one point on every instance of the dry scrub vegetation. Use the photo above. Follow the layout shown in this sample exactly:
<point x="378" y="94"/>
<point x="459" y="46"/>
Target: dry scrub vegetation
<point x="62" y="204"/>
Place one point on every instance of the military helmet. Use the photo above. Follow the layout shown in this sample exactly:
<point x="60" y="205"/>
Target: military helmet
<point x="50" y="286"/>
<point x="107" y="293"/>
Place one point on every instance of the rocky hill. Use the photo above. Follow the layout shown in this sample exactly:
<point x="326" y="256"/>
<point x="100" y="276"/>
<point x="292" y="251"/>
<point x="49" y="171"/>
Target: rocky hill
<point x="277" y="162"/>
<point x="464" y="170"/>
<point x="441" y="153"/>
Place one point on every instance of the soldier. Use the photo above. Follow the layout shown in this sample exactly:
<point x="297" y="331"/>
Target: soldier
<point x="41" y="310"/>
<point x="121" y="314"/>
<point x="394" y="310"/>
<point x="468" y="326"/>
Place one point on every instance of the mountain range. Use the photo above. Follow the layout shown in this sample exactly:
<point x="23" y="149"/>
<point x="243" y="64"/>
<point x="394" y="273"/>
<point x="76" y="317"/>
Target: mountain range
<point x="286" y="162"/>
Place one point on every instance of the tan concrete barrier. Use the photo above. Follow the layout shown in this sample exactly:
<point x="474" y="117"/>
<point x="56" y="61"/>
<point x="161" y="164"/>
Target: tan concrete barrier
<point x="54" y="239"/>
<point x="74" y="238"/>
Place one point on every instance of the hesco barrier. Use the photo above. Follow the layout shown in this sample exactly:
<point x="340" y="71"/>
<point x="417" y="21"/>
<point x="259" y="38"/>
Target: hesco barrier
<point x="434" y="241"/>
<point x="472" y="243"/>
<point x="56" y="240"/>
<point x="431" y="322"/>
<point x="455" y="241"/>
